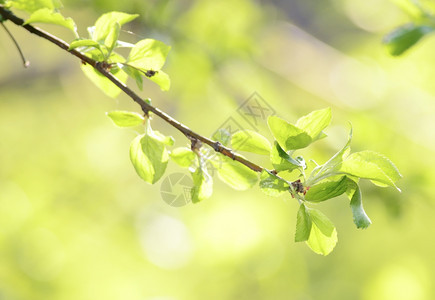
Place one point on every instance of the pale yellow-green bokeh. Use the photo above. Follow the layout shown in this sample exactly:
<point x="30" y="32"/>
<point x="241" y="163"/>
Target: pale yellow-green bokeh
<point x="76" y="222"/>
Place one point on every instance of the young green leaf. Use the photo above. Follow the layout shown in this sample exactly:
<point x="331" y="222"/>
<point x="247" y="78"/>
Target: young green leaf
<point x="272" y="186"/>
<point x="352" y="184"/>
<point x="133" y="73"/>
<point x="315" y="122"/>
<point x="338" y="157"/>
<point x="148" y="55"/>
<point x="149" y="157"/>
<point x="326" y="190"/>
<point x="116" y="59"/>
<point x="250" y="141"/>
<point x="202" y="185"/>
<point x="112" y="37"/>
<point x="323" y="235"/>
<point x="46" y="15"/>
<point x="83" y="43"/>
<point x="303" y="224"/>
<point x="125" y="118"/>
<point x="140" y="161"/>
<point x="34" y="5"/>
<point x="167" y="140"/>
<point x="102" y="82"/>
<point x="281" y="161"/>
<point x="106" y="24"/>
<point x="322" y="222"/>
<point x="162" y="79"/>
<point x="222" y="136"/>
<point x="360" y="217"/>
<point x="96" y="53"/>
<point x="332" y="164"/>
<point x="404" y="37"/>
<point x="319" y="242"/>
<point x="373" y="166"/>
<point x="288" y="136"/>
<point x="183" y="156"/>
<point x="236" y="175"/>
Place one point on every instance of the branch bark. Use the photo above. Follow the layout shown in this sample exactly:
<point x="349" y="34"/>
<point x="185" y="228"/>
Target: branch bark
<point x="100" y="66"/>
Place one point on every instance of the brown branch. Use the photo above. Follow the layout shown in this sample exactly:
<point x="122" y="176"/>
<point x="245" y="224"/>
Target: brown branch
<point x="102" y="68"/>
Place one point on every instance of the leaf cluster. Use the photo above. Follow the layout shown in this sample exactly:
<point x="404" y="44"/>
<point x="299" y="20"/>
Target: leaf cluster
<point x="337" y="176"/>
<point x="43" y="11"/>
<point x="145" y="60"/>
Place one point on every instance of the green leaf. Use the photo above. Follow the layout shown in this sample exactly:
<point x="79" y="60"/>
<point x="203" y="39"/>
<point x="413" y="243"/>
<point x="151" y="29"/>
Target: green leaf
<point x="326" y="190"/>
<point x="149" y="157"/>
<point x="222" y="136"/>
<point x="133" y="73"/>
<point x="148" y="55"/>
<point x="202" y="185"/>
<point x="34" y="5"/>
<point x="250" y="141"/>
<point x="83" y="43"/>
<point x="140" y="160"/>
<point x="303" y="224"/>
<point x="98" y="53"/>
<point x="332" y="164"/>
<point x="360" y="217"/>
<point x="272" y="186"/>
<point x="162" y="79"/>
<point x="116" y="59"/>
<point x="323" y="235"/>
<point x="46" y="15"/>
<point x="125" y="118"/>
<point x="338" y="157"/>
<point x="373" y="166"/>
<point x="319" y="242"/>
<point x="167" y="140"/>
<point x="105" y="25"/>
<point x="236" y="175"/>
<point x="183" y="156"/>
<point x="112" y="37"/>
<point x="102" y="82"/>
<point x="404" y="37"/>
<point x="352" y="184"/>
<point x="159" y="77"/>
<point x="322" y="222"/>
<point x="281" y="161"/>
<point x="315" y="122"/>
<point x="288" y="136"/>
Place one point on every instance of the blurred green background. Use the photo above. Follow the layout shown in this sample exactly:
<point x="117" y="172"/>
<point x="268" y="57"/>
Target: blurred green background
<point x="76" y="222"/>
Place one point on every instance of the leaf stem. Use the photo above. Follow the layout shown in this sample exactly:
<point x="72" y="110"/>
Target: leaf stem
<point x="26" y="63"/>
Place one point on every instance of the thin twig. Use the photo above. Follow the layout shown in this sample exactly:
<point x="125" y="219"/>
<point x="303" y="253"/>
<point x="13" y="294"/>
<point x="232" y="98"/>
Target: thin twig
<point x="26" y="63"/>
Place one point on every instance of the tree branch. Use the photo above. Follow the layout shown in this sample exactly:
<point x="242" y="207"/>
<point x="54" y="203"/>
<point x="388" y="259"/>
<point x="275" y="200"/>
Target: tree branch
<point x="102" y="68"/>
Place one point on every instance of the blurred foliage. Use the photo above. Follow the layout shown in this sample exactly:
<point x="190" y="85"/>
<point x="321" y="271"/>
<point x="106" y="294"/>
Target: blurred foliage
<point x="422" y="24"/>
<point x="77" y="223"/>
